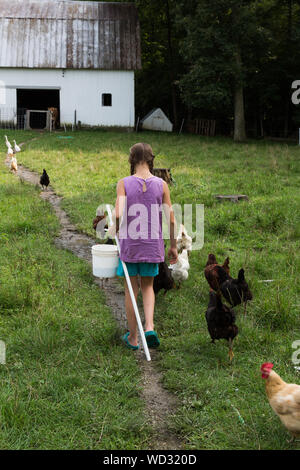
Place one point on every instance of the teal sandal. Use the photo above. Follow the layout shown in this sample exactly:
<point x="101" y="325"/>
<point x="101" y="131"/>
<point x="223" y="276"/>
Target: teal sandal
<point x="124" y="338"/>
<point x="152" y="339"/>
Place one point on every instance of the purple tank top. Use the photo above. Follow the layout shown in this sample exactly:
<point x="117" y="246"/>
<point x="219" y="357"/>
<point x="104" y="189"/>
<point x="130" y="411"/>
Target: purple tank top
<point x="140" y="233"/>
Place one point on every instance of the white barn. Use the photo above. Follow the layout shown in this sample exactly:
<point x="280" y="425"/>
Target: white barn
<point x="72" y="55"/>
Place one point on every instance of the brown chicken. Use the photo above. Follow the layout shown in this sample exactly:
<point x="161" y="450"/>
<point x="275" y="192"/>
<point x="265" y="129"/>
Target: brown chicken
<point x="284" y="399"/>
<point x="97" y="220"/>
<point x="211" y="273"/>
<point x="164" y="173"/>
<point x="14" y="165"/>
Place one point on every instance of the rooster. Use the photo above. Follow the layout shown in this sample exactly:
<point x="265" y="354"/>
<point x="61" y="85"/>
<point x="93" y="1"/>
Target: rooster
<point x="211" y="271"/>
<point x="284" y="399"/>
<point x="221" y="321"/>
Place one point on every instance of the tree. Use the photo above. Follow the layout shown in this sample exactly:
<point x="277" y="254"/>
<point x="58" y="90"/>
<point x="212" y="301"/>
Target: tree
<point x="218" y="36"/>
<point x="156" y="82"/>
<point x="275" y="65"/>
<point x="233" y="60"/>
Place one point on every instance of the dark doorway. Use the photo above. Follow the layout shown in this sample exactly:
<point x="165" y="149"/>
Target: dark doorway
<point x="38" y="120"/>
<point x="36" y="100"/>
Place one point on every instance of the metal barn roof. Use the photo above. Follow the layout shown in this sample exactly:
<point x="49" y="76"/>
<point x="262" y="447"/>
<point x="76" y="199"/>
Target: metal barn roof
<point x="69" y="35"/>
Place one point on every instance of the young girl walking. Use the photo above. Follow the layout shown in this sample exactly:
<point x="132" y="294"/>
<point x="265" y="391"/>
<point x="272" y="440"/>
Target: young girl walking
<point x="139" y="208"/>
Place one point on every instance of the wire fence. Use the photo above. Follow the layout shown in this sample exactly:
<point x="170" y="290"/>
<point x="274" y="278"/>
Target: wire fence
<point x="22" y="118"/>
<point x="11" y="118"/>
<point x="69" y="121"/>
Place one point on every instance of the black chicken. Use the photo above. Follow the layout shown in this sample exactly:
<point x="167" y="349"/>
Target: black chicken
<point x="164" y="279"/>
<point x="221" y="321"/>
<point x="109" y="241"/>
<point x="235" y="291"/>
<point x="44" y="180"/>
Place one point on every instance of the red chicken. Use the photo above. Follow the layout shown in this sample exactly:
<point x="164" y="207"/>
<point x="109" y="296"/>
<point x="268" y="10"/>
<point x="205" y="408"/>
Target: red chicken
<point x="211" y="272"/>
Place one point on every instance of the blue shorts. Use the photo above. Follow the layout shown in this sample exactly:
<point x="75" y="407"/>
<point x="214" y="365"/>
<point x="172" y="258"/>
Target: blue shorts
<point x="143" y="269"/>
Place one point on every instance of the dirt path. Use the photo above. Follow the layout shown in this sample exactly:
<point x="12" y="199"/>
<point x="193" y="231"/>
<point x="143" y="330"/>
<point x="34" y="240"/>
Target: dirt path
<point x="160" y="405"/>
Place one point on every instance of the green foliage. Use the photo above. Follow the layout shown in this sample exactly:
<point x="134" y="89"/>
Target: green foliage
<point x="189" y="50"/>
<point x="214" y="30"/>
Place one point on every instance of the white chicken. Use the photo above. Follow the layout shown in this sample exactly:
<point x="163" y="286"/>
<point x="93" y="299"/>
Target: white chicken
<point x="8" y="144"/>
<point x="180" y="270"/>
<point x="10" y="152"/>
<point x="16" y="147"/>
<point x="184" y="241"/>
<point x="14" y="164"/>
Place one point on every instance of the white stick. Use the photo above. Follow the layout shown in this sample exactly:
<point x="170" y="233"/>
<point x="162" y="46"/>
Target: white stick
<point x="135" y="307"/>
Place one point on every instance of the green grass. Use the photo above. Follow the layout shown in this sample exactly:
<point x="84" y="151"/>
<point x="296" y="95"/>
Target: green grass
<point x="222" y="405"/>
<point x="68" y="383"/>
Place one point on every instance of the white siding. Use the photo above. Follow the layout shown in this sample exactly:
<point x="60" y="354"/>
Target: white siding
<point x="10" y="98"/>
<point x="80" y="90"/>
<point x="7" y="103"/>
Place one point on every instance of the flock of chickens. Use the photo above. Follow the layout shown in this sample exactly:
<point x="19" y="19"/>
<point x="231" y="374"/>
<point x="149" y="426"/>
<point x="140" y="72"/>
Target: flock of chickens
<point x="219" y="317"/>
<point x="284" y="398"/>
<point x="11" y="154"/>
<point x="12" y="159"/>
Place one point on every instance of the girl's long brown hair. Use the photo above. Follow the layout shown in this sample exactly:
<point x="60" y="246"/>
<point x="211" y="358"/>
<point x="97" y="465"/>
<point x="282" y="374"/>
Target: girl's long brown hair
<point x="141" y="152"/>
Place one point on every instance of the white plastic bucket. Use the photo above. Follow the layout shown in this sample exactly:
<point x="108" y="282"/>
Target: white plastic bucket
<point x="105" y="260"/>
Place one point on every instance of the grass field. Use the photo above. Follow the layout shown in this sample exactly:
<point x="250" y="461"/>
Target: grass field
<point x="67" y="383"/>
<point x="223" y="405"/>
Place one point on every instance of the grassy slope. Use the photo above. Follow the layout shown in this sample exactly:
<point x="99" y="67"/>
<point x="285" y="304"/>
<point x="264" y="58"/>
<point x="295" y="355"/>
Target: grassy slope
<point x="68" y="383"/>
<point x="261" y="235"/>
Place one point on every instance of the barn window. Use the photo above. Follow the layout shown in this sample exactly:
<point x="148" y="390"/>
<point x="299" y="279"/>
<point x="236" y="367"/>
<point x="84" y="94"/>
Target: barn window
<point x="106" y="99"/>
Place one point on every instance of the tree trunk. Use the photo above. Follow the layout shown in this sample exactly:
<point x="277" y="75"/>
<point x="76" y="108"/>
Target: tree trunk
<point x="239" y="111"/>
<point x="261" y="121"/>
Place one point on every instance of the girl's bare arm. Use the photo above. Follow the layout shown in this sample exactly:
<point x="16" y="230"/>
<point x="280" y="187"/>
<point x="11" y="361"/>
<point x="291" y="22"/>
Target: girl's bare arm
<point x="172" y="253"/>
<point x="120" y="202"/>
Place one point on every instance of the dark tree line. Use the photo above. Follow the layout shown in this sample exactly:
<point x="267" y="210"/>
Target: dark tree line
<point x="229" y="60"/>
